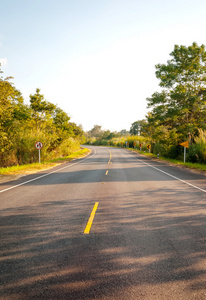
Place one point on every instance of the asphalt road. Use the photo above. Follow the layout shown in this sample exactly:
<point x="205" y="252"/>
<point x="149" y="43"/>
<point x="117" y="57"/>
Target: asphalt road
<point x="146" y="240"/>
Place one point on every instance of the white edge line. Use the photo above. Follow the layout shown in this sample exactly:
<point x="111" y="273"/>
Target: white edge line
<point x="15" y="186"/>
<point x="192" y="185"/>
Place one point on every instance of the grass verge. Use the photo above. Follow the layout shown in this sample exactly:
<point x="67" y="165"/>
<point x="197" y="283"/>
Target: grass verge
<point x="33" y="168"/>
<point x="194" y="166"/>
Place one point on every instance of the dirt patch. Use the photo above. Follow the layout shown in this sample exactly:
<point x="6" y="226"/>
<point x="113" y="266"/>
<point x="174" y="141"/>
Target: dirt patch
<point x="5" y="178"/>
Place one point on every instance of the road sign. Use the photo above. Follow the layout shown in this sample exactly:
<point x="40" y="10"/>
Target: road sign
<point x="185" y="144"/>
<point x="140" y="145"/>
<point x="148" y="146"/>
<point x="38" y="145"/>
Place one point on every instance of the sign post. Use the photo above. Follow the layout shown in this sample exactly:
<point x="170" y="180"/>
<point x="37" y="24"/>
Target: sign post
<point x="184" y="154"/>
<point x="39" y="146"/>
<point x="185" y="145"/>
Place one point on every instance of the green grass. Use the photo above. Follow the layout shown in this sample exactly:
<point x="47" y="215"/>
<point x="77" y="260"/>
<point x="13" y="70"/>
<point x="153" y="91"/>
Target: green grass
<point x="35" y="167"/>
<point x="195" y="166"/>
<point x="190" y="165"/>
<point x="74" y="155"/>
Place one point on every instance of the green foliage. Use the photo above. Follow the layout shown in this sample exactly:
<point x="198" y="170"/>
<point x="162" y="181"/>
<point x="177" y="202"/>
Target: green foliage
<point x="137" y="128"/>
<point x="95" y="132"/>
<point x="181" y="104"/>
<point x="197" y="151"/>
<point x="11" y="102"/>
<point x="67" y="147"/>
<point x="21" y="126"/>
<point x="124" y="132"/>
<point x="178" y="111"/>
<point x="97" y="136"/>
<point x="34" y="167"/>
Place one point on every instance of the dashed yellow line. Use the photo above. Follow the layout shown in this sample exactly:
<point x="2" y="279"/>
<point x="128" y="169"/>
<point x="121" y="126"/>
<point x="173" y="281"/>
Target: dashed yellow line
<point x="110" y="157"/>
<point x="106" y="172"/>
<point x="91" y="218"/>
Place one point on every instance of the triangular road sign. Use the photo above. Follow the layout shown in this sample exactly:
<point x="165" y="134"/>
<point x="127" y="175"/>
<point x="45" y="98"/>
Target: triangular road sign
<point x="185" y="144"/>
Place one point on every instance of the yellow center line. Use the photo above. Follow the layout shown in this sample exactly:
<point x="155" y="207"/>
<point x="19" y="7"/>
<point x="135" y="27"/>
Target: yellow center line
<point x="91" y="218"/>
<point x="110" y="157"/>
<point x="106" y="172"/>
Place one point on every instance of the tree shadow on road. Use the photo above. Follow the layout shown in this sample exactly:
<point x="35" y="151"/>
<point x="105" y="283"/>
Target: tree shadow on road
<point x="137" y="248"/>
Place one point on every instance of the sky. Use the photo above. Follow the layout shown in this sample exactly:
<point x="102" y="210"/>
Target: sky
<point x="95" y="59"/>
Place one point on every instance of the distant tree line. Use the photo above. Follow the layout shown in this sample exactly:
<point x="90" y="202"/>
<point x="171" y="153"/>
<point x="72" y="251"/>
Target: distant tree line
<point x="97" y="136"/>
<point x="21" y="126"/>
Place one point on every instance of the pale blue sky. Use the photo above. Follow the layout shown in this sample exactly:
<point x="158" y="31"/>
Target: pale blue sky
<point x="95" y="59"/>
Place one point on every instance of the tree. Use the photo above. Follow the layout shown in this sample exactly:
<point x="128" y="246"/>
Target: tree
<point x="96" y="131"/>
<point x="108" y="135"/>
<point x="77" y="130"/>
<point x="40" y="108"/>
<point x="123" y="132"/>
<point x="18" y="133"/>
<point x="13" y="117"/>
<point x="60" y="118"/>
<point x="7" y="92"/>
<point x="137" y="127"/>
<point x="182" y="102"/>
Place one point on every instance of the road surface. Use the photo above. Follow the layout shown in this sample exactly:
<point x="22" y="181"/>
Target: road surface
<point x="145" y="239"/>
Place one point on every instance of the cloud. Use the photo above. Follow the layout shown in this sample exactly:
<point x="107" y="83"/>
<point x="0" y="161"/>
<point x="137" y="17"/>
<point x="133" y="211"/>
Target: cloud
<point x="3" y="61"/>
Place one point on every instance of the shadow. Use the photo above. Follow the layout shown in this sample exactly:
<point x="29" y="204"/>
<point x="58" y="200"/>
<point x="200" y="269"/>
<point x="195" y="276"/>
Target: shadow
<point x="147" y="241"/>
<point x="138" y="248"/>
<point x="131" y="168"/>
<point x="123" y="174"/>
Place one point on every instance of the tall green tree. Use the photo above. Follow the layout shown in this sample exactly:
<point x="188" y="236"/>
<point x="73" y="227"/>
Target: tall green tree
<point x="13" y="117"/>
<point x="41" y="109"/>
<point x="182" y="102"/>
<point x="7" y="92"/>
<point x="134" y="129"/>
<point x="137" y="127"/>
<point x="22" y="125"/>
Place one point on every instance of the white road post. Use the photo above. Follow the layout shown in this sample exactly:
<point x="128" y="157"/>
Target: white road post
<point x="185" y="145"/>
<point x="39" y="155"/>
<point x="184" y="154"/>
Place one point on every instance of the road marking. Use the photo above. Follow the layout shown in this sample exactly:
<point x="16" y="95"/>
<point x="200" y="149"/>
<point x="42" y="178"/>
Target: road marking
<point x="15" y="186"/>
<point x="106" y="172"/>
<point x="110" y="157"/>
<point x="190" y="184"/>
<point x="91" y="218"/>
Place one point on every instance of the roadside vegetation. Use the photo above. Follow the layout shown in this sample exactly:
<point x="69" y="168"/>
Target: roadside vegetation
<point x="22" y="125"/>
<point x="35" y="167"/>
<point x="190" y="165"/>
<point x="97" y="136"/>
<point x="176" y="114"/>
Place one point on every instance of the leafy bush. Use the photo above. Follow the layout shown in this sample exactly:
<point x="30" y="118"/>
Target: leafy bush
<point x="159" y="149"/>
<point x="193" y="153"/>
